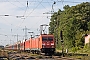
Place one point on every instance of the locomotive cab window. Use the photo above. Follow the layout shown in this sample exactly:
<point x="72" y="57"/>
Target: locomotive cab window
<point x="47" y="38"/>
<point x="50" y="38"/>
<point x="44" y="38"/>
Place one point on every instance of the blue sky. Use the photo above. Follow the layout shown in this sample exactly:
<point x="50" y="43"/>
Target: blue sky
<point x="34" y="17"/>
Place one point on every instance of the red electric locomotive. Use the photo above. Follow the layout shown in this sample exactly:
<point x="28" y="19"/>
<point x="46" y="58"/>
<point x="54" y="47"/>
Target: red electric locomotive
<point x="48" y="43"/>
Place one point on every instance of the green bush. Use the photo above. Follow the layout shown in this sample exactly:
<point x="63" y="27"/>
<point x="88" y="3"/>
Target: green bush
<point x="74" y="49"/>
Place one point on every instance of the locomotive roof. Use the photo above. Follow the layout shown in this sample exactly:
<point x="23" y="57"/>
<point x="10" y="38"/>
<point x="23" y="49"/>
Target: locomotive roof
<point x="46" y="34"/>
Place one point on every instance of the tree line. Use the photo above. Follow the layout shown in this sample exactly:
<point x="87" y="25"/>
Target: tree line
<point x="74" y="22"/>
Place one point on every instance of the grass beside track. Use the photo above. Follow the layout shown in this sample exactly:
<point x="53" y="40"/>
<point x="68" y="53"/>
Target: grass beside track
<point x="68" y="55"/>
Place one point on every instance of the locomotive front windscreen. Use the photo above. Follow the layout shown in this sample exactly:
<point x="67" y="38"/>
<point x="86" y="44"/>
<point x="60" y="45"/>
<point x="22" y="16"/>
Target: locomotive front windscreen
<point x="47" y="38"/>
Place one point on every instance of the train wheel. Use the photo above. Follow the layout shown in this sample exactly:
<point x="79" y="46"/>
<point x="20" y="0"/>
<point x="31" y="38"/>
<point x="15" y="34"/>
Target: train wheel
<point x="46" y="53"/>
<point x="33" y="52"/>
<point x="38" y="52"/>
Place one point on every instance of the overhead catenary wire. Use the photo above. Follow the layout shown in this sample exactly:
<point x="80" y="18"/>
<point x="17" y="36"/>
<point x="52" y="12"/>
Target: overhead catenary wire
<point x="4" y="29"/>
<point x="25" y="1"/>
<point x="29" y="13"/>
<point x="23" y="19"/>
<point x="5" y="20"/>
<point x="26" y="9"/>
<point x="10" y="28"/>
<point x="37" y="21"/>
<point x="44" y="6"/>
<point x="20" y="3"/>
<point x="19" y="7"/>
<point x="7" y="23"/>
<point x="14" y="4"/>
<point x="68" y="1"/>
<point x="39" y="1"/>
<point x="46" y="1"/>
<point x="24" y="6"/>
<point x="23" y="14"/>
<point x="35" y="8"/>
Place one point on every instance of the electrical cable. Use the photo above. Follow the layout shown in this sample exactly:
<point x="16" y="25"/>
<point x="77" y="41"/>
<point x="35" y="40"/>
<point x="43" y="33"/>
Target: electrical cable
<point x="68" y="1"/>
<point x="47" y="2"/>
<point x="25" y="1"/>
<point x="44" y="6"/>
<point x="34" y="8"/>
<point x="19" y="7"/>
<point x="20" y="3"/>
<point x="30" y="13"/>
<point x="14" y="4"/>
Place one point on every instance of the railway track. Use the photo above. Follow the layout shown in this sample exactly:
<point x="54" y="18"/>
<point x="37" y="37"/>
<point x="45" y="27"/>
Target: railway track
<point x="28" y="56"/>
<point x="14" y="55"/>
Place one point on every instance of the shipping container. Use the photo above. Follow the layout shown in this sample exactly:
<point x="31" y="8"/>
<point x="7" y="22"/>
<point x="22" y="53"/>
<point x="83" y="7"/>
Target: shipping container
<point x="27" y="45"/>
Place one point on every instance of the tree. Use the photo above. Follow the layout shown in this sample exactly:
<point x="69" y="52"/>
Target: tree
<point x="74" y="22"/>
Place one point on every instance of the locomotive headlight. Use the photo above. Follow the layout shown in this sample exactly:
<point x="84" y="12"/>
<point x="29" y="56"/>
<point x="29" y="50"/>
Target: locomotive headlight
<point x="43" y="44"/>
<point x="52" y="43"/>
